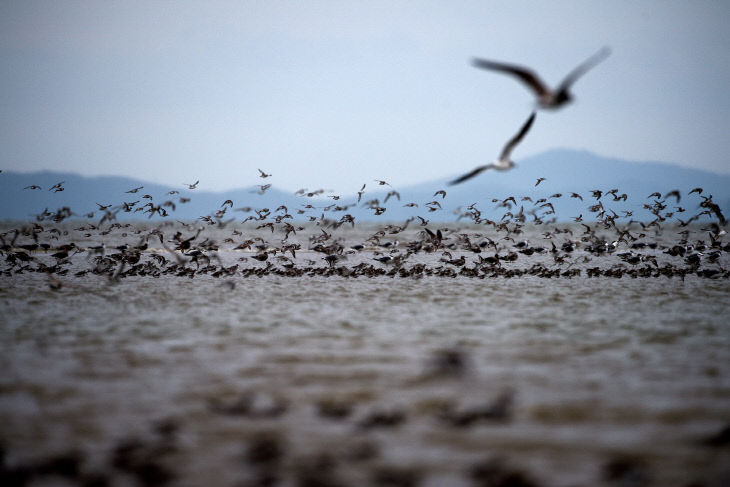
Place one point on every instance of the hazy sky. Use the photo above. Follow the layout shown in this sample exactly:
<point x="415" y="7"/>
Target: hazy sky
<point x="336" y="94"/>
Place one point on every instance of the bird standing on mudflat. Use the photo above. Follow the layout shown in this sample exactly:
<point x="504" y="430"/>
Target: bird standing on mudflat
<point x="504" y="162"/>
<point x="546" y="97"/>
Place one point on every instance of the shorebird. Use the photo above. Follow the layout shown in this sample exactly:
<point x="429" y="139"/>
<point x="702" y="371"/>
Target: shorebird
<point x="504" y="162"/>
<point x="391" y="194"/>
<point x="546" y="97"/>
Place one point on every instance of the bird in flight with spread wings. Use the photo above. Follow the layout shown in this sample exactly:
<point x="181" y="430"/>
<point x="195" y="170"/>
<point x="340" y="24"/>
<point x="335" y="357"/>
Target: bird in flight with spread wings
<point x="504" y="162"/>
<point x="546" y="97"/>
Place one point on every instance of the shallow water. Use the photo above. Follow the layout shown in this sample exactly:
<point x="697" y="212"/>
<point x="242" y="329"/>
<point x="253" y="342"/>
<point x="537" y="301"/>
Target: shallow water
<point x="368" y="380"/>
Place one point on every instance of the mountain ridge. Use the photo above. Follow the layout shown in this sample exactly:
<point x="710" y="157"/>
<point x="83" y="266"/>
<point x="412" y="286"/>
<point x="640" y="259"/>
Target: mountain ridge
<point x="566" y="171"/>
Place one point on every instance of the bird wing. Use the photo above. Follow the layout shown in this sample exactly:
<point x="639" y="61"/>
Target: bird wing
<point x="524" y="74"/>
<point x="583" y="68"/>
<point x="471" y="174"/>
<point x="517" y="138"/>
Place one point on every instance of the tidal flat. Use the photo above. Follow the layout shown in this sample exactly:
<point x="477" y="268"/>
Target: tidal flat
<point x="247" y="377"/>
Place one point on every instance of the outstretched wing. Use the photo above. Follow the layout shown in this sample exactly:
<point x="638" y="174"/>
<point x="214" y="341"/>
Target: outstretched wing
<point x="523" y="74"/>
<point x="471" y="174"/>
<point x="584" y="67"/>
<point x="517" y="138"/>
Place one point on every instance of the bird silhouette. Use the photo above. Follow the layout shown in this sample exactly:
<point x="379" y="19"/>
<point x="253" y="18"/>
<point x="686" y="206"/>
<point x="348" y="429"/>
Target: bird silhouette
<point x="546" y="97"/>
<point x="504" y="162"/>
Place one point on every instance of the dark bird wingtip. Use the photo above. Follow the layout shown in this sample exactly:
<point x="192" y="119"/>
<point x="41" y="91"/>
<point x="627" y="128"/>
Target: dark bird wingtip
<point x="479" y="63"/>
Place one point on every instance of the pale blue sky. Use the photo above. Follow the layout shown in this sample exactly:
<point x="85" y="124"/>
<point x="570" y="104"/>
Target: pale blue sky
<point x="336" y="94"/>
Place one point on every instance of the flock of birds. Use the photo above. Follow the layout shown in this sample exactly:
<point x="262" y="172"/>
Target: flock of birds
<point x="527" y="240"/>
<point x="474" y="246"/>
<point x="563" y="250"/>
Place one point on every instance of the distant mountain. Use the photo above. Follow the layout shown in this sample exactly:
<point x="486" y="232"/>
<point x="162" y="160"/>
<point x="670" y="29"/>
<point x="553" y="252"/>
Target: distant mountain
<point x="83" y="195"/>
<point x="567" y="171"/>
<point x="581" y="171"/>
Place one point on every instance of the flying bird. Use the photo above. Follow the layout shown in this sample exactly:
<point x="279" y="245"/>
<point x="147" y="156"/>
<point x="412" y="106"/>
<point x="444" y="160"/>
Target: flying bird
<point x="390" y="194"/>
<point x="546" y="97"/>
<point x="504" y="162"/>
<point x="192" y="186"/>
<point x="263" y="174"/>
<point x="674" y="193"/>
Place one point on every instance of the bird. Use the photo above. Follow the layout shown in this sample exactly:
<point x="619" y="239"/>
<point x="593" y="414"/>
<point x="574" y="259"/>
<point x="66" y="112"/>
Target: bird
<point x="263" y="174"/>
<point x="192" y="186"/>
<point x="576" y="195"/>
<point x="504" y="162"/>
<point x="539" y="180"/>
<point x="546" y="97"/>
<point x="675" y="193"/>
<point x="332" y="259"/>
<point x="391" y="194"/>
